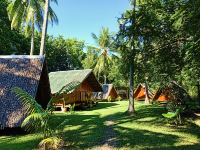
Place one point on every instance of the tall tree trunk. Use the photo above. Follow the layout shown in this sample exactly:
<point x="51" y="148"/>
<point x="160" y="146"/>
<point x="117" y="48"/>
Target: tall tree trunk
<point x="32" y="38"/>
<point x="131" y="109"/>
<point x="104" y="79"/>
<point x="105" y="65"/>
<point x="44" y="30"/>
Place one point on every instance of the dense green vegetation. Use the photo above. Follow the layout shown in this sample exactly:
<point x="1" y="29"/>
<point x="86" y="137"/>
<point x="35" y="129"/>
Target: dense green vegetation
<point x="165" y="43"/>
<point x="11" y="41"/>
<point x="166" y="46"/>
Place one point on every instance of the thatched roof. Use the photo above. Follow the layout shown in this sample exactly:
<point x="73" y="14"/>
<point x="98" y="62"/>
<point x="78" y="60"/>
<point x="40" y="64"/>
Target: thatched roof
<point x="107" y="89"/>
<point x="175" y="85"/>
<point x="61" y="78"/>
<point x="28" y="73"/>
<point x="141" y="86"/>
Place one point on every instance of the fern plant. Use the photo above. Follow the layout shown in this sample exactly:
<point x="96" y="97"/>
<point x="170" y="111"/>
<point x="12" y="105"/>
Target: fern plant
<point x="38" y="119"/>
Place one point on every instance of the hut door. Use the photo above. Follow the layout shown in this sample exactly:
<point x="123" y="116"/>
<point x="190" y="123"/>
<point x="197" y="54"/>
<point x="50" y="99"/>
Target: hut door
<point x="82" y="96"/>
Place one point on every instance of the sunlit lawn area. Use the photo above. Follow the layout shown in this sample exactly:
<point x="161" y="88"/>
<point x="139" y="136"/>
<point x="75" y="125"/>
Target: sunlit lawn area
<point x="148" y="130"/>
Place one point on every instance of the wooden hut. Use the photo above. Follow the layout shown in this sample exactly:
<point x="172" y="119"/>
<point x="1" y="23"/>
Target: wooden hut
<point x="85" y="81"/>
<point x="108" y="90"/>
<point x="28" y="73"/>
<point x="140" y="92"/>
<point x="122" y="92"/>
<point x="160" y="95"/>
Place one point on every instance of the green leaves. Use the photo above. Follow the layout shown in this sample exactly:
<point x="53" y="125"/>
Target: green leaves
<point x="52" y="142"/>
<point x="37" y="119"/>
<point x="165" y="36"/>
<point x="71" y="108"/>
<point x="28" y="101"/>
<point x="11" y="41"/>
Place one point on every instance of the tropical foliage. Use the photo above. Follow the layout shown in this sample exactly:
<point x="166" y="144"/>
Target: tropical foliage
<point x="62" y="54"/>
<point x="11" y="41"/>
<point x="37" y="119"/>
<point x="103" y="62"/>
<point x="29" y="13"/>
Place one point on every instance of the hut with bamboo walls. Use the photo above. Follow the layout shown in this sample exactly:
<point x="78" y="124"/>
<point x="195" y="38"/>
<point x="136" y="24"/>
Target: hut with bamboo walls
<point x="28" y="73"/>
<point x="108" y="90"/>
<point x="140" y="92"/>
<point x="85" y="84"/>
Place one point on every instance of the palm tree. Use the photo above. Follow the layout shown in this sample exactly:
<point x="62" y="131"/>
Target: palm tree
<point x="105" y="43"/>
<point x="29" y="12"/>
<point x="44" y="30"/>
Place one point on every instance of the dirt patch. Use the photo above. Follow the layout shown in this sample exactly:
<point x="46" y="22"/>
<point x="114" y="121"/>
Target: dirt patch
<point x="110" y="141"/>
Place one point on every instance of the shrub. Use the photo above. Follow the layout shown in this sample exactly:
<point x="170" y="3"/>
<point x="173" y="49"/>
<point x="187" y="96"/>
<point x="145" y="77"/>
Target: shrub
<point x="109" y="98"/>
<point x="119" y="98"/>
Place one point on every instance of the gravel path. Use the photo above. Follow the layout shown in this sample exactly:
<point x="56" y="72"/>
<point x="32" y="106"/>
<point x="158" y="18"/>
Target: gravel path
<point x="110" y="141"/>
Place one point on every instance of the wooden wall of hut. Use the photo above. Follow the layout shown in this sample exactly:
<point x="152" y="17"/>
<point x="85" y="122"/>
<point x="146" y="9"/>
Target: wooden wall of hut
<point x="137" y="91"/>
<point x="78" y="96"/>
<point x="112" y="94"/>
<point x="124" y="95"/>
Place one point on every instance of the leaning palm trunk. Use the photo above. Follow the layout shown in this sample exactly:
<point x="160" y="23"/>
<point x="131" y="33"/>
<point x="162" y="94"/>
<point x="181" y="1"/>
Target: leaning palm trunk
<point x="32" y="38"/>
<point x="44" y="30"/>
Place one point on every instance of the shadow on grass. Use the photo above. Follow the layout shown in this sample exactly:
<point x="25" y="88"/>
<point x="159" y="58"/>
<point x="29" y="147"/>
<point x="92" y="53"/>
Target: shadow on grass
<point x="17" y="143"/>
<point x="10" y="136"/>
<point x="103" y="105"/>
<point x="90" y="129"/>
<point x="87" y="131"/>
<point x="91" y="132"/>
<point x="12" y="131"/>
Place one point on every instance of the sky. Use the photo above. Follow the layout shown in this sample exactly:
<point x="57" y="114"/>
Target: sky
<point x="79" y="18"/>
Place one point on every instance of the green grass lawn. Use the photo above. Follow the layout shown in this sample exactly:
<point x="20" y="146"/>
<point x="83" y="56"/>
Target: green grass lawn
<point x="147" y="130"/>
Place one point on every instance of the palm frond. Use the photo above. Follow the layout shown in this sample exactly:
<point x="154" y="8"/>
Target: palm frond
<point x="93" y="65"/>
<point x="52" y="17"/>
<point x="65" y="89"/>
<point x="34" y="122"/>
<point x="27" y="30"/>
<point x="52" y="142"/>
<point x="28" y="101"/>
<point x="95" y="38"/>
<point x="12" y="8"/>
<point x="95" y="49"/>
<point x="55" y="1"/>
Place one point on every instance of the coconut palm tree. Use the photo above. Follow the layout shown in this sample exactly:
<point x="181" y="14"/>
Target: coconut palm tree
<point x="29" y="13"/>
<point x="44" y="30"/>
<point x="105" y="43"/>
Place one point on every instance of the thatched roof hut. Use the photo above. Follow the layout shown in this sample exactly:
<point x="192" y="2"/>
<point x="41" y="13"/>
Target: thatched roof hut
<point x="85" y="80"/>
<point x="162" y="97"/>
<point x="28" y="73"/>
<point x="109" y="90"/>
<point x="140" y="91"/>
